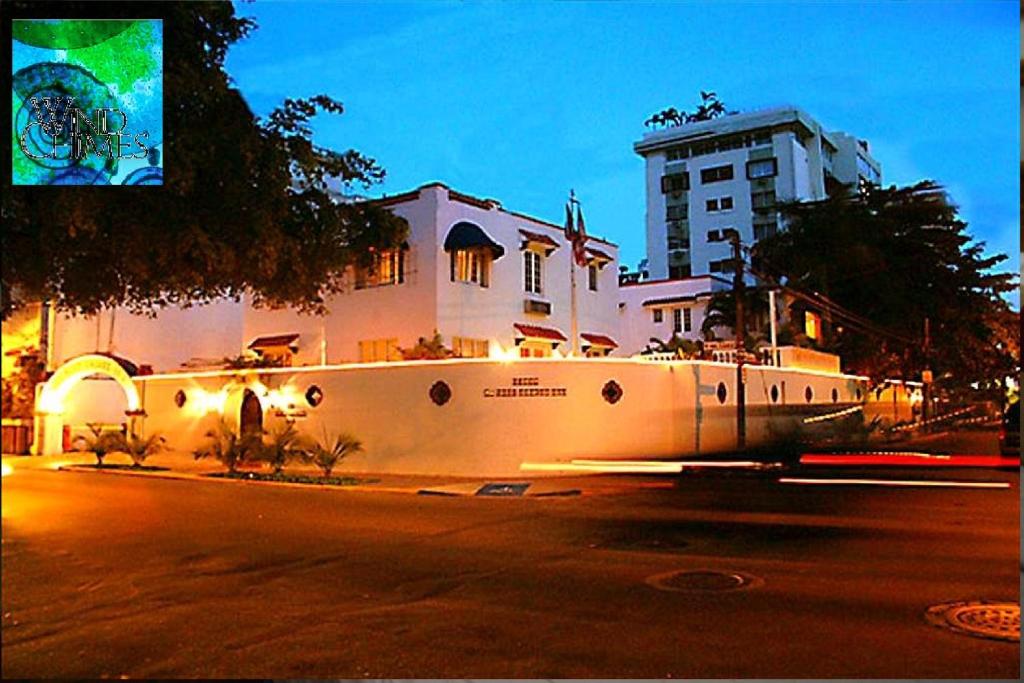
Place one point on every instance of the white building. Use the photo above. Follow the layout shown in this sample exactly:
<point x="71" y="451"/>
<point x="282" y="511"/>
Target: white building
<point x="728" y="173"/>
<point x="491" y="281"/>
<point x="662" y="309"/>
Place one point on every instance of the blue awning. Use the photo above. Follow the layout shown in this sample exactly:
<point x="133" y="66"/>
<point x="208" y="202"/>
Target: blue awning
<point x="465" y="235"/>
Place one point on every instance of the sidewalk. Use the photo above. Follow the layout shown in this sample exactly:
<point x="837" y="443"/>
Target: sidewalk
<point x="182" y="465"/>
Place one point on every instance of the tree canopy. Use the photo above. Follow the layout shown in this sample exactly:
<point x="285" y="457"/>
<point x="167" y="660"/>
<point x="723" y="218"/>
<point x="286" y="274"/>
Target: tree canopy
<point x="244" y="206"/>
<point x="710" y="107"/>
<point x="885" y="261"/>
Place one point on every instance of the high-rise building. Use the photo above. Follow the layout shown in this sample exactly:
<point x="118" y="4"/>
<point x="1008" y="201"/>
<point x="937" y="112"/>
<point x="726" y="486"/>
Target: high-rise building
<point x="729" y="172"/>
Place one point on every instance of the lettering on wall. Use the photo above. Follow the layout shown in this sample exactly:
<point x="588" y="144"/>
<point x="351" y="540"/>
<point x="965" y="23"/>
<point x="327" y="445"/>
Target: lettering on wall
<point x="525" y="387"/>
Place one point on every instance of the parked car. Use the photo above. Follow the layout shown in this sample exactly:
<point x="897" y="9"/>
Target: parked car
<point x="1009" y="432"/>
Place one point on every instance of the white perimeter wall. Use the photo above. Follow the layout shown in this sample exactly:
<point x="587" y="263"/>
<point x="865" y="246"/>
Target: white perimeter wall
<point x="666" y="410"/>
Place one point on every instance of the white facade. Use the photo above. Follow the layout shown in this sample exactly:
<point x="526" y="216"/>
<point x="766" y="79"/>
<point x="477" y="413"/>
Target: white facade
<point x="474" y="305"/>
<point x="481" y="305"/>
<point x="728" y="172"/>
<point x="664" y="308"/>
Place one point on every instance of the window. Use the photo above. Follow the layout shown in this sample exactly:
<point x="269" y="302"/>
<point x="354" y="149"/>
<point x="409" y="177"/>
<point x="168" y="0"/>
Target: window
<point x="762" y="200"/>
<point x="716" y="174"/>
<point x="687" y="320"/>
<point x="677" y="320"/>
<point x="387" y="267"/>
<point x="533" y="349"/>
<point x="675" y="182"/>
<point x="464" y="347"/>
<point x="763" y="137"/>
<point x="812" y="325"/>
<point x="763" y="229"/>
<point x="677" y="153"/>
<point x="762" y="168"/>
<point x="675" y="243"/>
<point x="679" y="272"/>
<point x="377" y="350"/>
<point x="722" y="266"/>
<point x="718" y="204"/>
<point x="677" y="212"/>
<point x="531" y="271"/>
<point x="658" y="315"/>
<point x="592" y="277"/>
<point x="471" y="265"/>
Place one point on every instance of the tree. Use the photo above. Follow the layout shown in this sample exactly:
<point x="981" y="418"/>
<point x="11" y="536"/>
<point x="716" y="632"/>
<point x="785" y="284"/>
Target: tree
<point x="327" y="454"/>
<point x="19" y="390"/>
<point x="100" y="442"/>
<point x="684" y="348"/>
<point x="882" y="263"/>
<point x="244" y="205"/>
<point x="721" y="312"/>
<point x="227" y="447"/>
<point x="710" y="107"/>
<point x="139" y="448"/>
<point x="283" y="445"/>
<point x="428" y="349"/>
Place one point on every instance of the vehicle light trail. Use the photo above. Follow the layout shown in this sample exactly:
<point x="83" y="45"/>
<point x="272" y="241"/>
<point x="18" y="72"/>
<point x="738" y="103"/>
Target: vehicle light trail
<point x="897" y="482"/>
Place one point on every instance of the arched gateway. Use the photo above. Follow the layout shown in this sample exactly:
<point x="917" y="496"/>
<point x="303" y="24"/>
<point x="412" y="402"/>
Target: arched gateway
<point x="49" y="424"/>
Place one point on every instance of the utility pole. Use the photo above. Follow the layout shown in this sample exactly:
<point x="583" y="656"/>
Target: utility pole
<point x="739" y="289"/>
<point x="926" y="374"/>
<point x="771" y="315"/>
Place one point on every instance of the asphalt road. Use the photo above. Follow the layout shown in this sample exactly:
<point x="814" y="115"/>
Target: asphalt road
<point x="126" y="576"/>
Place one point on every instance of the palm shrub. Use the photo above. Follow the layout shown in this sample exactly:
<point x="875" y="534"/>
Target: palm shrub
<point x="227" y="447"/>
<point x="283" y="445"/>
<point x="101" y="443"/>
<point x="139" y="448"/>
<point x="326" y="455"/>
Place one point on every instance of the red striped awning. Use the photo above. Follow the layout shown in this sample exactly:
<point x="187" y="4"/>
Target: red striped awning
<point x="598" y="255"/>
<point x="599" y="340"/>
<point x="538" y="238"/>
<point x="538" y="332"/>
<point x="272" y="341"/>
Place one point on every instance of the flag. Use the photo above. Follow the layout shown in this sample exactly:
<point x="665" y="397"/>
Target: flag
<point x="579" y="239"/>
<point x="569" y="232"/>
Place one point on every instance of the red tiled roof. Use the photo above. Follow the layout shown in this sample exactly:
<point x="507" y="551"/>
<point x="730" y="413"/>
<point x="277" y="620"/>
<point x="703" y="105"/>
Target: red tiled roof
<point x="538" y="238"/>
<point x="537" y="332"/>
<point x="599" y="340"/>
<point x="597" y="253"/>
<point x="273" y="340"/>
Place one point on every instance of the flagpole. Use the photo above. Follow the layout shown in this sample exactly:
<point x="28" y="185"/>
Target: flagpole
<point x="572" y="236"/>
<point x="575" y="322"/>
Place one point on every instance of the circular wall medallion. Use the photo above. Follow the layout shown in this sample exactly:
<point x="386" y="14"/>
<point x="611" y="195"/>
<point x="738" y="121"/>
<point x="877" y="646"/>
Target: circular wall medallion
<point x="775" y="393"/>
<point x="179" y="398"/>
<point x="611" y="391"/>
<point x="314" y="395"/>
<point x="809" y="394"/>
<point x="722" y="392"/>
<point x="835" y="395"/>
<point x="440" y="393"/>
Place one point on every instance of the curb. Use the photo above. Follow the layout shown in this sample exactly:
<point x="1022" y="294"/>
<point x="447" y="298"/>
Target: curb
<point x="188" y="476"/>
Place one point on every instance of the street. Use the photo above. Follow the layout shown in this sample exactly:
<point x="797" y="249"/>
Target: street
<point x="121" y="576"/>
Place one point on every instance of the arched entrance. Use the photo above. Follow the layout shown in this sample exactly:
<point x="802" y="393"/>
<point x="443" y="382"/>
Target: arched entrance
<point x="250" y="415"/>
<point x="49" y="423"/>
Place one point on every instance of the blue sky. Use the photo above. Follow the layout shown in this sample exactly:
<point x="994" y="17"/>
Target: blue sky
<point x="521" y="101"/>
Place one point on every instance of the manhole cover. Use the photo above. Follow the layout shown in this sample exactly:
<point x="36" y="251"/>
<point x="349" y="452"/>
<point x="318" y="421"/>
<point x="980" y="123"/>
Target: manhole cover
<point x="702" y="581"/>
<point x="998" y="620"/>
